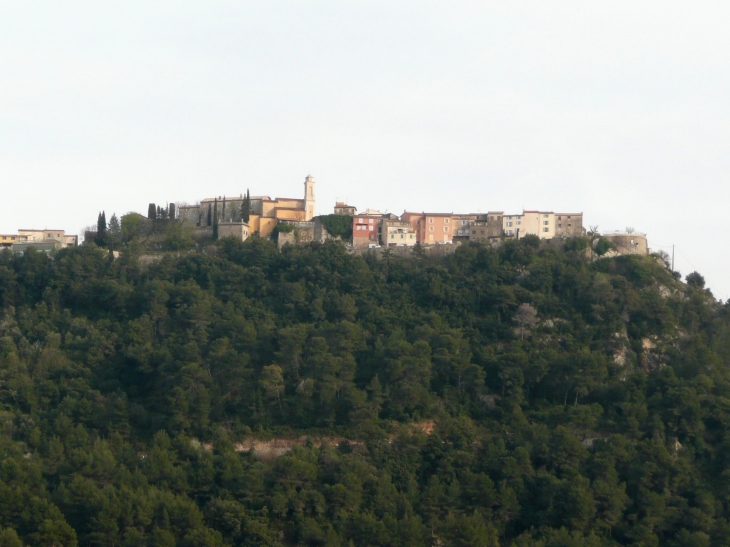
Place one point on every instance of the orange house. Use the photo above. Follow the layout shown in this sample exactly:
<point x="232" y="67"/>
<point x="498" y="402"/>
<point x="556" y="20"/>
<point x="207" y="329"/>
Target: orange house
<point x="431" y="228"/>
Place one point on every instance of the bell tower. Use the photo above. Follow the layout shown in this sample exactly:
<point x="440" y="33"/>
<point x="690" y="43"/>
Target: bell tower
<point x="309" y="197"/>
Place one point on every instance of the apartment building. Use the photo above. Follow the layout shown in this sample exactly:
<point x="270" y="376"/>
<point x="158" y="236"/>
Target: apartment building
<point x="487" y="228"/>
<point x="462" y="225"/>
<point x="569" y="224"/>
<point x="365" y="229"/>
<point x="538" y="223"/>
<point x="395" y="233"/>
<point x="431" y="228"/>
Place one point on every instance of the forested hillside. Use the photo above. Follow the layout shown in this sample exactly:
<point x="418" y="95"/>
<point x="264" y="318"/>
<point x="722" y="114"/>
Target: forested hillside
<point x="574" y="402"/>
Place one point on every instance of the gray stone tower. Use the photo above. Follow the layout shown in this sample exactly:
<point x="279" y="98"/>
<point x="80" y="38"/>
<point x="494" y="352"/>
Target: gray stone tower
<point x="309" y="197"/>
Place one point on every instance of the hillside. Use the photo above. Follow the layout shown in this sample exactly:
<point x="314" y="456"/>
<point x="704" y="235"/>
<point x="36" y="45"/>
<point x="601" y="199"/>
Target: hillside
<point x="527" y="396"/>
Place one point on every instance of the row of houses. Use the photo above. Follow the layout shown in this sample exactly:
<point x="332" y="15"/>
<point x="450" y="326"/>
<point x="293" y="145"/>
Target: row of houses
<point x="43" y="240"/>
<point x="373" y="228"/>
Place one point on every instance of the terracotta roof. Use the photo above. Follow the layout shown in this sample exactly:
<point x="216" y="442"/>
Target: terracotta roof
<point x="439" y="214"/>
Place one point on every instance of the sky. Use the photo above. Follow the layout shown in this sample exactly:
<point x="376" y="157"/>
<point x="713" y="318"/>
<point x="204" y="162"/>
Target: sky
<point x="617" y="109"/>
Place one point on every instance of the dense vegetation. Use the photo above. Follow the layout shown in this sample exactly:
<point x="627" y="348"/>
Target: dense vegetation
<point x="339" y="226"/>
<point x="574" y="401"/>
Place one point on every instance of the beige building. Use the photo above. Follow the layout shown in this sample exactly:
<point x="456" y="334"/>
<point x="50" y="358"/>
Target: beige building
<point x="36" y="236"/>
<point x="539" y="223"/>
<point x="341" y="208"/>
<point x="487" y="228"/>
<point x="396" y="233"/>
<point x="239" y="230"/>
<point x="7" y="240"/>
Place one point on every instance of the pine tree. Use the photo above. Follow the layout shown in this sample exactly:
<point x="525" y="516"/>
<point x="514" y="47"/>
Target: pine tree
<point x="114" y="230"/>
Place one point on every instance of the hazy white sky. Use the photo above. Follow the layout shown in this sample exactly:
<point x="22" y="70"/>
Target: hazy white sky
<point x="617" y="109"/>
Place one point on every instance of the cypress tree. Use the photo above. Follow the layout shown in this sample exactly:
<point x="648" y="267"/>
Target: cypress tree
<point x="246" y="207"/>
<point x="151" y="211"/>
<point x="223" y="212"/>
<point x="101" y="238"/>
<point x="172" y="211"/>
<point x="215" y="219"/>
<point x="210" y="218"/>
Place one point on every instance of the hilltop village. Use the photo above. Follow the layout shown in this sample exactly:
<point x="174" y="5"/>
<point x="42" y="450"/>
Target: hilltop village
<point x="292" y="221"/>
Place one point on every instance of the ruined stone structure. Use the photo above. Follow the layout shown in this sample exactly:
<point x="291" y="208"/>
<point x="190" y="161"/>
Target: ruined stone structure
<point x="626" y="243"/>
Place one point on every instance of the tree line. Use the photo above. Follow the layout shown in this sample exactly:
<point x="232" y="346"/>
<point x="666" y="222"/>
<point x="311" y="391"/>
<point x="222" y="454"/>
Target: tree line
<point x="523" y="396"/>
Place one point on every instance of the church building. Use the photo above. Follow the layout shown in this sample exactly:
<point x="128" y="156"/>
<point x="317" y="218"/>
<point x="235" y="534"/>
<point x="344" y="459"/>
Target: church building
<point x="264" y="215"/>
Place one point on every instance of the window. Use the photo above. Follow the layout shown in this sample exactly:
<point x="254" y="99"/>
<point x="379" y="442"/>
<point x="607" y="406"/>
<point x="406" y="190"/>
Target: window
<point x="392" y="236"/>
<point x="519" y="222"/>
<point x="569" y="224"/>
<point x="401" y="236"/>
<point x="568" y="217"/>
<point x="545" y="222"/>
<point x="430" y="228"/>
<point x="546" y="229"/>
<point x="560" y="225"/>
<point x="430" y="221"/>
<point x="509" y="224"/>
<point x="560" y="218"/>
<point x="446" y="228"/>
<point x="446" y="221"/>
<point x="370" y="220"/>
<point x="544" y="216"/>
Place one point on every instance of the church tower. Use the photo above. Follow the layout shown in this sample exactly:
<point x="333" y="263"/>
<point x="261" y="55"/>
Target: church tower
<point x="309" y="197"/>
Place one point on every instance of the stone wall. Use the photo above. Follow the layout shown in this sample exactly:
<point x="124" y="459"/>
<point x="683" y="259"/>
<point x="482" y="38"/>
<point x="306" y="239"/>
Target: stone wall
<point x="239" y="230"/>
<point x="303" y="233"/>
